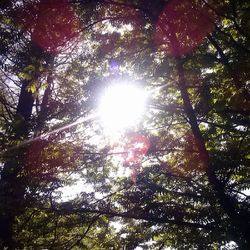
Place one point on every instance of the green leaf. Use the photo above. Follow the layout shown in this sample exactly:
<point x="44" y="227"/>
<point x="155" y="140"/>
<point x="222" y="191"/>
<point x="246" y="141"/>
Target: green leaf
<point x="32" y="88"/>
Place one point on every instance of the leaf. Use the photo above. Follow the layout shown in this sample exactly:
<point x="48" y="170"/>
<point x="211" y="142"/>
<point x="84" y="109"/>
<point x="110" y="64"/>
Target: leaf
<point x="24" y="76"/>
<point x="32" y="88"/>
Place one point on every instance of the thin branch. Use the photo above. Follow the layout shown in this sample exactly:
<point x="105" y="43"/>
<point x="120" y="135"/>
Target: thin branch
<point x="86" y="231"/>
<point x="132" y="215"/>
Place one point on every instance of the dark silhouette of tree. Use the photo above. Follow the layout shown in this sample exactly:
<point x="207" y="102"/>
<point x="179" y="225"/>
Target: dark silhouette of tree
<point x="187" y="184"/>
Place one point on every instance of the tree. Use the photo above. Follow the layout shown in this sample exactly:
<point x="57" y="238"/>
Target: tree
<point x="188" y="188"/>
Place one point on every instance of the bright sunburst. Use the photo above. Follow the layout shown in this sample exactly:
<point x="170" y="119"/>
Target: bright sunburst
<point x="121" y="106"/>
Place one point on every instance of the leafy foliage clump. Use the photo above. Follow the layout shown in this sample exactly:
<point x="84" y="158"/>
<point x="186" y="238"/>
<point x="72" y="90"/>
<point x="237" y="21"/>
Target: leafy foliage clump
<point x="188" y="188"/>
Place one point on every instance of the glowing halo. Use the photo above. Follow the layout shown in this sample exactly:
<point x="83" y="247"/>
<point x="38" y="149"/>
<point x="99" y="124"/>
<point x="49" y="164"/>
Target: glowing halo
<point x="121" y="106"/>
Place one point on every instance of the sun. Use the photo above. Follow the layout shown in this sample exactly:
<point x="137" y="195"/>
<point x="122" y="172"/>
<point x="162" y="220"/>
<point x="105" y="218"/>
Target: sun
<point x="121" y="106"/>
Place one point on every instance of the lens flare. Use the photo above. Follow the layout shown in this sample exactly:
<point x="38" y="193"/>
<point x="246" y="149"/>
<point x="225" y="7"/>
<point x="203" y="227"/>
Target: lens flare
<point x="52" y="24"/>
<point x="183" y="25"/>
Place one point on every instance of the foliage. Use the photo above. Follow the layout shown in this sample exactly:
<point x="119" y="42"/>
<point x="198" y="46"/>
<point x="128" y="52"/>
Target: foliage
<point x="189" y="188"/>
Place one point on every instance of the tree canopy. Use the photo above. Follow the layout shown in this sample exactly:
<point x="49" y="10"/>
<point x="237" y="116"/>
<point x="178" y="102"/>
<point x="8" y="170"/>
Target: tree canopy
<point x="177" y="178"/>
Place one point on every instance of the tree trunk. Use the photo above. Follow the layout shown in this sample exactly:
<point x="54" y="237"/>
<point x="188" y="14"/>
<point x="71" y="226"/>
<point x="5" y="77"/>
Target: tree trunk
<point x="239" y="219"/>
<point x="12" y="189"/>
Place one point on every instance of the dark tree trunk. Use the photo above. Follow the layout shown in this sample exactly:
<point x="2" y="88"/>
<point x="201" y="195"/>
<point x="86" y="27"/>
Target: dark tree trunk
<point x="239" y="219"/>
<point x="11" y="187"/>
